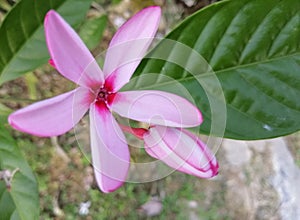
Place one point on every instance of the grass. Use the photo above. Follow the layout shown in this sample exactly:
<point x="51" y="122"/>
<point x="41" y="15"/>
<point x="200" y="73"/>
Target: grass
<point x="62" y="189"/>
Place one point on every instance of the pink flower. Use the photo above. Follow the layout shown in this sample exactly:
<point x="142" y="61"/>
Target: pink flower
<point x="178" y="148"/>
<point x="98" y="92"/>
<point x="181" y="150"/>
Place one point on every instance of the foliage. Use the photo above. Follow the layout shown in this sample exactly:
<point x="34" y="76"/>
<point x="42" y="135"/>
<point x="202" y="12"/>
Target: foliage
<point x="22" y="39"/>
<point x="254" y="52"/>
<point x="21" y="199"/>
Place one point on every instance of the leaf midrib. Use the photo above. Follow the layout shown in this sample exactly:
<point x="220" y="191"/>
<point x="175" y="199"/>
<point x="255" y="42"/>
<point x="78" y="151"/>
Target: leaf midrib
<point x="223" y="70"/>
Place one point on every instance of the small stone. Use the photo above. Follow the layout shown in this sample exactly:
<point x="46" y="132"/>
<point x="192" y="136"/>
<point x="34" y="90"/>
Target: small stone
<point x="152" y="208"/>
<point x="193" y="204"/>
<point x="237" y="155"/>
<point x="84" y="208"/>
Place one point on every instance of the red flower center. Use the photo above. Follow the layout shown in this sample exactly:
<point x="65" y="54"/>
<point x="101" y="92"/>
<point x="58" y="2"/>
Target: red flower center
<point x="105" y="96"/>
<point x="102" y="95"/>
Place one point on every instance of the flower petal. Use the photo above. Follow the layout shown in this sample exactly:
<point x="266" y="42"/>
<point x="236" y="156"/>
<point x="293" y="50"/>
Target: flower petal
<point x="69" y="54"/>
<point x="110" y="153"/>
<point x="54" y="116"/>
<point x="129" y="45"/>
<point x="156" y="107"/>
<point x="181" y="150"/>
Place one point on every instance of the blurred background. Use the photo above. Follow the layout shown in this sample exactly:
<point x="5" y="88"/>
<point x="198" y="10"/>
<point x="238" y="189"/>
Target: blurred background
<point x="257" y="179"/>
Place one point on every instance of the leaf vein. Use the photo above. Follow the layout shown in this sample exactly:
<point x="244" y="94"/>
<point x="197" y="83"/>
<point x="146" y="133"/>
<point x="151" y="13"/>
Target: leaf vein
<point x="279" y="33"/>
<point x="255" y="85"/>
<point x="234" y="18"/>
<point x="10" y="47"/>
<point x="253" y="34"/>
<point x="23" y="30"/>
<point x="226" y="69"/>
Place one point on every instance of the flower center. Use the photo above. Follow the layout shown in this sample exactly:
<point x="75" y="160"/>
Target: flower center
<point x="102" y="95"/>
<point x="105" y="96"/>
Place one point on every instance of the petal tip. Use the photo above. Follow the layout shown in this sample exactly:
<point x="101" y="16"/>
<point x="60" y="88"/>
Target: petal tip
<point x="200" y="117"/>
<point x="110" y="190"/>
<point x="48" y="15"/>
<point x="51" y="12"/>
<point x="10" y="120"/>
<point x="154" y="8"/>
<point x="215" y="169"/>
<point x="107" y="188"/>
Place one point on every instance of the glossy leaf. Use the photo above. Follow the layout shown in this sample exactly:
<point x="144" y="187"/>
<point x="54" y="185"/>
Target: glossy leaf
<point x="253" y="48"/>
<point x="92" y="30"/>
<point x="22" y="200"/>
<point x="22" y="39"/>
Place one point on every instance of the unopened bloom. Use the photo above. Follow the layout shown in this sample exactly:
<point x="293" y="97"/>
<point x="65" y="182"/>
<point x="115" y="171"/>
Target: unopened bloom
<point x="181" y="150"/>
<point x="98" y="92"/>
<point x="178" y="148"/>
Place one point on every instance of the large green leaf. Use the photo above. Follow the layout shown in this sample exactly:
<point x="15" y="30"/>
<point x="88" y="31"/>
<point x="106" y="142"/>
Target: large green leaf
<point x="22" y="201"/>
<point x="253" y="48"/>
<point x="22" y="40"/>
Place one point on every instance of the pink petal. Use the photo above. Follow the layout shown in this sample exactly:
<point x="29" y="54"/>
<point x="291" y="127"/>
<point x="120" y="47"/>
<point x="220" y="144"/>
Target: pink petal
<point x="54" y="116"/>
<point x="69" y="54"/>
<point x="181" y="150"/>
<point x="110" y="153"/>
<point x="156" y="107"/>
<point x="129" y="45"/>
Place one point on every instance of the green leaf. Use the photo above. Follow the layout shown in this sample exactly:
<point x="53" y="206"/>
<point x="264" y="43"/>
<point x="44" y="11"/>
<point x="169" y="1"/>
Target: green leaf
<point x="22" y="201"/>
<point x="254" y="51"/>
<point x="92" y="30"/>
<point x="22" y="40"/>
